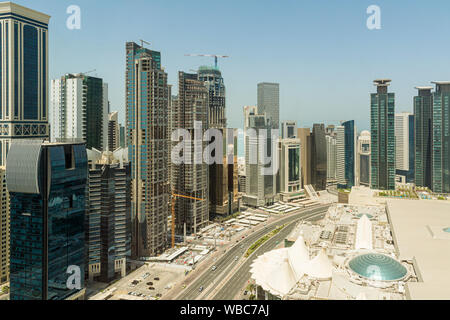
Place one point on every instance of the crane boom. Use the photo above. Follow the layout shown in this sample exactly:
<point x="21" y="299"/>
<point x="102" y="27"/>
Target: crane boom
<point x="215" y="56"/>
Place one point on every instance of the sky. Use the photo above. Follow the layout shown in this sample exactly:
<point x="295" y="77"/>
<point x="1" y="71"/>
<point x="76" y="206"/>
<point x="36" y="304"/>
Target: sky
<point x="320" y="51"/>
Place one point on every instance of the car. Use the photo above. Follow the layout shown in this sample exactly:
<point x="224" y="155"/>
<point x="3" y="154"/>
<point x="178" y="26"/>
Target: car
<point x="236" y="259"/>
<point x="213" y="268"/>
<point x="151" y="288"/>
<point x="150" y="283"/>
<point x="245" y="292"/>
<point x="200" y="289"/>
<point x="156" y="279"/>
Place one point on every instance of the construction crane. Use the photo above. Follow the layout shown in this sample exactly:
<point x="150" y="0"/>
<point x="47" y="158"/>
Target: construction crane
<point x="174" y="197"/>
<point x="142" y="42"/>
<point x="215" y="56"/>
<point x="89" y="71"/>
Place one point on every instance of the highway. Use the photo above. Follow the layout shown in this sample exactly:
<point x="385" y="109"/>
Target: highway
<point x="210" y="279"/>
<point x="240" y="276"/>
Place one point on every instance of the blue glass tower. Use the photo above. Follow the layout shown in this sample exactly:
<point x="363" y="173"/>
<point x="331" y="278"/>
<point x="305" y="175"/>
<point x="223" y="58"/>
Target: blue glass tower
<point x="346" y="138"/>
<point x="47" y="185"/>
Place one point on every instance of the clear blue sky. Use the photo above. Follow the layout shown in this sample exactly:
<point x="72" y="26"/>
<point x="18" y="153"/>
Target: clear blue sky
<point x="320" y="51"/>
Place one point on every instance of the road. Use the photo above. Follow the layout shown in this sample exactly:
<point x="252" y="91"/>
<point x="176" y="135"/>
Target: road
<point x="209" y="279"/>
<point x="240" y="276"/>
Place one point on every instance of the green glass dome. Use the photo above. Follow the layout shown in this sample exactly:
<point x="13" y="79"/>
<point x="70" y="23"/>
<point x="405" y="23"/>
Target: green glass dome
<point x="377" y="266"/>
<point x="446" y="230"/>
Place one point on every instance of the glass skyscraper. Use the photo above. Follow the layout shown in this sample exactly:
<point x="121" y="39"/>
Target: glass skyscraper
<point x="345" y="162"/>
<point x="147" y="101"/>
<point x="441" y="138"/>
<point x="47" y="185"/>
<point x="269" y="102"/>
<point x="319" y="157"/>
<point x="382" y="113"/>
<point x="423" y="134"/>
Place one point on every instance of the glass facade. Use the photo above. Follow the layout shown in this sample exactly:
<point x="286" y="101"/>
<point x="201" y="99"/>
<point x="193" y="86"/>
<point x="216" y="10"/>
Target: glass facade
<point x="376" y="266"/>
<point x="319" y="158"/>
<point x="294" y="164"/>
<point x="382" y="113"/>
<point x="47" y="228"/>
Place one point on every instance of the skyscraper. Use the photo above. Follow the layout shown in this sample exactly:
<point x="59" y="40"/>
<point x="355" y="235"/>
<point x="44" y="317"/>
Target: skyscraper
<point x="382" y="111"/>
<point x="215" y="86"/>
<point x="189" y="112"/>
<point x="363" y="159"/>
<point x="113" y="131"/>
<point x="346" y="156"/>
<point x="290" y="170"/>
<point x="47" y="185"/>
<point x="318" y="157"/>
<point x="304" y="134"/>
<point x="288" y="129"/>
<point x="404" y="146"/>
<point x="109" y="212"/>
<point x="331" y="158"/>
<point x="147" y="97"/>
<point x="79" y="110"/>
<point x="441" y="137"/>
<point x="269" y="102"/>
<point x="423" y="137"/>
<point x="260" y="187"/>
<point x="24" y="94"/>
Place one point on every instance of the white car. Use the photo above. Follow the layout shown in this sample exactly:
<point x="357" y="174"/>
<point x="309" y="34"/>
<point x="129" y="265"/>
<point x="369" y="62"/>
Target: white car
<point x="214" y="268"/>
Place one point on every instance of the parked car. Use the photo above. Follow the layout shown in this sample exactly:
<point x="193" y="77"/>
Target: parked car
<point x="200" y="289"/>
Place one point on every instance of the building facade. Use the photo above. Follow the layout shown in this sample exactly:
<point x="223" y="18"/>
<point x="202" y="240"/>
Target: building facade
<point x="108" y="214"/>
<point x="441" y="138"/>
<point x="113" y="131"/>
<point x="346" y="155"/>
<point x="318" y="158"/>
<point x="423" y="137"/>
<point x="363" y="159"/>
<point x="47" y="186"/>
<point x="304" y="134"/>
<point x="404" y="146"/>
<point x="191" y="178"/>
<point x="331" y="159"/>
<point x="79" y="110"/>
<point x="147" y="97"/>
<point x="269" y="102"/>
<point x="215" y="86"/>
<point x="290" y="170"/>
<point x="382" y="112"/>
<point x="288" y="129"/>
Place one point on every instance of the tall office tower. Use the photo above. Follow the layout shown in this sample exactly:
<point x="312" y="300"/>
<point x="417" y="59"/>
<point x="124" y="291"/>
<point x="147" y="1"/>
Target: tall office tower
<point x="260" y="186"/>
<point x="123" y="138"/>
<point x="269" y="102"/>
<point x="23" y="107"/>
<point x="404" y="146"/>
<point x="290" y="170"/>
<point x="346" y="155"/>
<point x="363" y="159"/>
<point x="441" y="138"/>
<point x="289" y="129"/>
<point x="215" y="86"/>
<point x="330" y="130"/>
<point x="147" y="97"/>
<point x="79" y="110"/>
<point x="108" y="214"/>
<point x="423" y="136"/>
<point x="382" y="110"/>
<point x="331" y="158"/>
<point x="47" y="186"/>
<point x="304" y="134"/>
<point x="113" y="131"/>
<point x="191" y="179"/>
<point x="318" y="157"/>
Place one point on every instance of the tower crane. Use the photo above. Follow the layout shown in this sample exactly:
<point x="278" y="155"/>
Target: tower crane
<point x="215" y="56"/>
<point x="174" y="198"/>
<point x="142" y="42"/>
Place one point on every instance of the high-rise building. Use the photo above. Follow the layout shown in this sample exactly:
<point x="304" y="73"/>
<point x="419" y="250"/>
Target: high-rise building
<point x="147" y="97"/>
<point x="108" y="214"/>
<point x="269" y="102"/>
<point x="331" y="158"/>
<point x="123" y="136"/>
<point x="260" y="186"/>
<point x="346" y="155"/>
<point x="404" y="146"/>
<point x="190" y="112"/>
<point x="441" y="138"/>
<point x="215" y="86"/>
<point x="289" y="129"/>
<point x="423" y="137"/>
<point x="382" y="111"/>
<point x="304" y="134"/>
<point x="290" y="170"/>
<point x="113" y="131"/>
<point x="79" y="110"/>
<point x="318" y="158"/>
<point x="363" y="159"/>
<point x="47" y="186"/>
<point x="24" y="94"/>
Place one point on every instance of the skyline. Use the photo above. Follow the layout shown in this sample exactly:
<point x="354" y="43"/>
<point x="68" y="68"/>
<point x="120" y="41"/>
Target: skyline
<point x="305" y="55"/>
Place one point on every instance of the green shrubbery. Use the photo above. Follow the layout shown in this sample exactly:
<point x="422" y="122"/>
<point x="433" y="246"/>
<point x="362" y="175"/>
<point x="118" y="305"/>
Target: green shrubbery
<point x="260" y="241"/>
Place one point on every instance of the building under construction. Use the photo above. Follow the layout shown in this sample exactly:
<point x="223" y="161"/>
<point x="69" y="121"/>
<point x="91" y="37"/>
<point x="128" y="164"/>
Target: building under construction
<point x="190" y="178"/>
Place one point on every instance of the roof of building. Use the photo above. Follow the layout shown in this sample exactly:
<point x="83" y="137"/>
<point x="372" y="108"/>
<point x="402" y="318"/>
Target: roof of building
<point x="375" y="266"/>
<point x="418" y="232"/>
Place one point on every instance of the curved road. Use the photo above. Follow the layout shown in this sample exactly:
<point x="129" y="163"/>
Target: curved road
<point x="224" y="265"/>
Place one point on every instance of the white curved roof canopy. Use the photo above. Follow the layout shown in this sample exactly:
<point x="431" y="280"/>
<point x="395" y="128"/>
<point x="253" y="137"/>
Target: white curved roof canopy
<point x="364" y="234"/>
